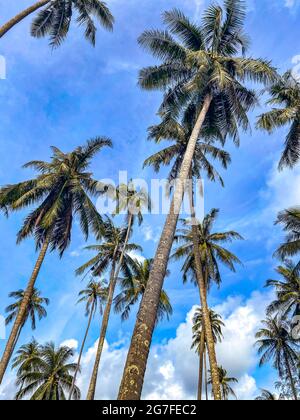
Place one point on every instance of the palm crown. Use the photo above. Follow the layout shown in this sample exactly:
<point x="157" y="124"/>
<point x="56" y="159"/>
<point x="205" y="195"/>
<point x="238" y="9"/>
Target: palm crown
<point x="55" y="19"/>
<point x="61" y="191"/>
<point x="133" y="288"/>
<point x="216" y="323"/>
<point x="211" y="249"/>
<point x="285" y="93"/>
<point x="290" y="220"/>
<point x="94" y="296"/>
<point x="35" y="307"/>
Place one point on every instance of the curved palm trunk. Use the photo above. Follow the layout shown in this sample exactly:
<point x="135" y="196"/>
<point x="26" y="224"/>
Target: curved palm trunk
<point x="11" y="343"/>
<point x="106" y="315"/>
<point x="291" y="377"/>
<point x="205" y="310"/>
<point x="206" y="380"/>
<point x="81" y="352"/>
<point x="135" y="368"/>
<point x="201" y="360"/>
<point x="19" y="17"/>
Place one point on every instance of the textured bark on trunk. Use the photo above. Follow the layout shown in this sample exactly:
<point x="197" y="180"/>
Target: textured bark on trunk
<point x="19" y="17"/>
<point x="291" y="377"/>
<point x="11" y="343"/>
<point x="206" y="379"/>
<point x="106" y="315"/>
<point x="205" y="310"/>
<point x="201" y="360"/>
<point x="135" y="368"/>
<point x="81" y="351"/>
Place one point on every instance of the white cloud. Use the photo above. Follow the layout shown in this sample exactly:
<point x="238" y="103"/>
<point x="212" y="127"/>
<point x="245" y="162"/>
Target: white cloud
<point x="290" y="3"/>
<point x="72" y="344"/>
<point x="150" y="234"/>
<point x="296" y="66"/>
<point x="136" y="256"/>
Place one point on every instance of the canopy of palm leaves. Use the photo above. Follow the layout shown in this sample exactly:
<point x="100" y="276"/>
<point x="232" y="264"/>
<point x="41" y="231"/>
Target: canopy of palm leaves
<point x="172" y="130"/>
<point x="113" y="240"/>
<point x="94" y="296"/>
<point x="285" y="99"/>
<point x="276" y="344"/>
<point x="55" y="18"/>
<point x="50" y="376"/>
<point x="61" y="190"/>
<point x="35" y="307"/>
<point x="225" y="382"/>
<point x="206" y="60"/>
<point x="266" y="396"/>
<point x="133" y="288"/>
<point x="27" y="358"/>
<point x="287" y="290"/>
<point x="212" y="251"/>
<point x="216" y="323"/>
<point x="290" y="220"/>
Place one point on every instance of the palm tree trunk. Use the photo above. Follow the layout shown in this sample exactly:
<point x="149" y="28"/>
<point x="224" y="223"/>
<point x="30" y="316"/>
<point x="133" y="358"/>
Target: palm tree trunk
<point x="135" y="368"/>
<point x="113" y="282"/>
<point x="201" y="360"/>
<point x="11" y="343"/>
<point x="81" y="351"/>
<point x="291" y="377"/>
<point x="206" y="380"/>
<point x="18" y="18"/>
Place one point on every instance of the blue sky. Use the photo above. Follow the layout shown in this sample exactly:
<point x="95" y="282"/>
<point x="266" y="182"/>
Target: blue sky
<point x="69" y="95"/>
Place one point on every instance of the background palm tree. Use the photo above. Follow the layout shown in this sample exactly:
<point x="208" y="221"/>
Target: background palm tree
<point x="61" y="191"/>
<point x="225" y="382"/>
<point x="94" y="296"/>
<point x="201" y="66"/>
<point x="199" y="342"/>
<point x="290" y="220"/>
<point x="55" y="17"/>
<point x="50" y="376"/>
<point x="266" y="396"/>
<point x="133" y="288"/>
<point x="287" y="290"/>
<point x="285" y="93"/>
<point x="35" y="308"/>
<point x="276" y="343"/>
<point x="109" y="253"/>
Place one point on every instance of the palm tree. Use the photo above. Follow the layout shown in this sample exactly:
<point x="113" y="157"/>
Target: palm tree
<point x="35" y="307"/>
<point x="266" y="396"/>
<point x="54" y="19"/>
<point x="275" y="343"/>
<point x="108" y="255"/>
<point x="202" y="68"/>
<point x="199" y="341"/>
<point x="133" y="288"/>
<point x="61" y="191"/>
<point x="285" y="97"/>
<point x="290" y="220"/>
<point x="94" y="296"/>
<point x="50" y="376"/>
<point x="27" y="359"/>
<point x="225" y="381"/>
<point x="287" y="290"/>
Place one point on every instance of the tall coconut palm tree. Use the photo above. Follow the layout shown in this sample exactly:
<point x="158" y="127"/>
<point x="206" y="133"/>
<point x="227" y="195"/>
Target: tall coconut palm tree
<point x="55" y="16"/>
<point x="35" y="308"/>
<point x="225" y="382"/>
<point x="133" y="288"/>
<point x="27" y="359"/>
<point x="199" y="341"/>
<point x="201" y="66"/>
<point x="290" y="220"/>
<point x="287" y="290"/>
<point x="108" y="255"/>
<point x="50" y="376"/>
<point x="276" y="343"/>
<point x="266" y="396"/>
<point x="61" y="192"/>
<point x="285" y="99"/>
<point x="94" y="296"/>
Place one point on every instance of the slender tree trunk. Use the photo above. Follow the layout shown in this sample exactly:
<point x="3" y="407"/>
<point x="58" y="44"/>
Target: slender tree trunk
<point x="135" y="368"/>
<point x="201" y="360"/>
<point x="11" y="343"/>
<point x="18" y="18"/>
<point x="205" y="370"/>
<point x="291" y="377"/>
<point x="205" y="310"/>
<point x="81" y="351"/>
<point x="113" y="282"/>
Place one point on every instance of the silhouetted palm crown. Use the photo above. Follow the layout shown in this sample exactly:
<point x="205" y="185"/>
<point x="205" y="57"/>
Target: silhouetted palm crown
<point x="61" y="191"/>
<point x="94" y="296"/>
<point x="55" y="18"/>
<point x="216" y="323"/>
<point x="290" y="220"/>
